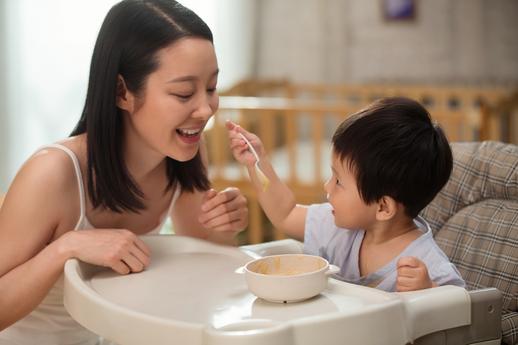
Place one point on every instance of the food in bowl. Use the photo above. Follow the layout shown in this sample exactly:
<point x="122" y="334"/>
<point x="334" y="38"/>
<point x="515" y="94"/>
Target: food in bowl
<point x="289" y="277"/>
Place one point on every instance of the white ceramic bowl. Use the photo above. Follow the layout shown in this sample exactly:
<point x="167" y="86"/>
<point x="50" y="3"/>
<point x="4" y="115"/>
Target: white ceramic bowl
<point x="287" y="278"/>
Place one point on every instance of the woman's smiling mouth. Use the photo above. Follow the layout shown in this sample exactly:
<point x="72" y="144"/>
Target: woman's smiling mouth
<point x="191" y="135"/>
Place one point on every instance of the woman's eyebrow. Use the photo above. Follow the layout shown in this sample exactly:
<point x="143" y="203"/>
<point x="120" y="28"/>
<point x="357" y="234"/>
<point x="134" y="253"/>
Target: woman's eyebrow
<point x="183" y="79"/>
<point x="190" y="77"/>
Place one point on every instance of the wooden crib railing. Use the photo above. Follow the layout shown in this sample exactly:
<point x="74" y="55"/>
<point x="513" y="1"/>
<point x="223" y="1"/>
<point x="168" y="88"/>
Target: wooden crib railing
<point x="501" y="121"/>
<point x="290" y="117"/>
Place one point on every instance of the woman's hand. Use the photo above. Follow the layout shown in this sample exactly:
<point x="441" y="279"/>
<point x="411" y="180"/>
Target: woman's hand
<point x="240" y="148"/>
<point x="225" y="211"/>
<point x="412" y="274"/>
<point x="121" y="250"/>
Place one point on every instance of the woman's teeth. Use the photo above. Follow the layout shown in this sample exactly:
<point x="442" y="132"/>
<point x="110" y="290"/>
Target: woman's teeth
<point x="188" y="132"/>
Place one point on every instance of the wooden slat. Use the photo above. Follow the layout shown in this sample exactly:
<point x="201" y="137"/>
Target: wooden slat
<point x="267" y="129"/>
<point x="317" y="129"/>
<point x="291" y="141"/>
<point x="255" y="226"/>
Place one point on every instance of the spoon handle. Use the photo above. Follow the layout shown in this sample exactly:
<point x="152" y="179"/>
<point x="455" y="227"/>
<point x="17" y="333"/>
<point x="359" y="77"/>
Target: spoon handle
<point x="250" y="146"/>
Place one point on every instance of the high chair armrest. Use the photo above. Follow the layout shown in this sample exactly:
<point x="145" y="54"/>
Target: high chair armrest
<point x="485" y="327"/>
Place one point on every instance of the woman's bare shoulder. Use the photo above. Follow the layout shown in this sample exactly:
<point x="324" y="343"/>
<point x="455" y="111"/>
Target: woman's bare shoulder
<point x="52" y="165"/>
<point x="48" y="174"/>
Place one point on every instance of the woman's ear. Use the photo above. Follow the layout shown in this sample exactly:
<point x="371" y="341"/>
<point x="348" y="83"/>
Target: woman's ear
<point x="124" y="98"/>
<point x="387" y="208"/>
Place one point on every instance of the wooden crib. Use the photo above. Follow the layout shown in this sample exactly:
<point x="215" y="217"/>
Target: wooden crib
<point x="296" y="122"/>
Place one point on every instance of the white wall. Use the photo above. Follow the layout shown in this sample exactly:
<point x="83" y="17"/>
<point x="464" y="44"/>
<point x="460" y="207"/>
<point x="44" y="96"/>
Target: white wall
<point x="235" y="32"/>
<point x="336" y="41"/>
<point x="233" y="25"/>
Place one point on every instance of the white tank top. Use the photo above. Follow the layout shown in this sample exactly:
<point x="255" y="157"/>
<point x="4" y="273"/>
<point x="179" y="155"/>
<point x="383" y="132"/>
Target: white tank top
<point x="50" y="323"/>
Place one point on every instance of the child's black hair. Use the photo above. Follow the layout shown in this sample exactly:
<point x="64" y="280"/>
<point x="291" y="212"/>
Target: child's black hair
<point x="394" y="149"/>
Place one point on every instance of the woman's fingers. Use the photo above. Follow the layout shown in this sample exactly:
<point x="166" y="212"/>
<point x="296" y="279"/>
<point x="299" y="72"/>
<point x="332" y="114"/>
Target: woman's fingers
<point x="119" y="249"/>
<point x="213" y="199"/>
<point x="223" y="219"/>
<point x="120" y="267"/>
<point x="226" y="210"/>
<point x="133" y="262"/>
<point x="142" y="246"/>
<point x="220" y="203"/>
<point x="218" y="211"/>
<point x="234" y="226"/>
<point x="142" y="257"/>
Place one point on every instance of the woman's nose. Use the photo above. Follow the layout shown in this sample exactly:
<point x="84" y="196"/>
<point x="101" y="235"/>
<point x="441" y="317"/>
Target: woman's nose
<point x="206" y="107"/>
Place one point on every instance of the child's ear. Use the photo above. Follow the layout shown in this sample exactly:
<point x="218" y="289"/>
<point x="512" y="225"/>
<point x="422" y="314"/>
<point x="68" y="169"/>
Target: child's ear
<point x="124" y="98"/>
<point x="387" y="208"/>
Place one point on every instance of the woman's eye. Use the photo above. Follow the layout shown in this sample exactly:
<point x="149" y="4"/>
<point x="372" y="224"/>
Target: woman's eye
<point x="211" y="90"/>
<point x="183" y="97"/>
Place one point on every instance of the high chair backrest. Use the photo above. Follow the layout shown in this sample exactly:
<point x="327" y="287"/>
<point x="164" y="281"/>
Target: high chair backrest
<point x="475" y="221"/>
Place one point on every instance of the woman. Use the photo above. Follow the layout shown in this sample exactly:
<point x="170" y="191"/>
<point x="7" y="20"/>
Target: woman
<point x="133" y="158"/>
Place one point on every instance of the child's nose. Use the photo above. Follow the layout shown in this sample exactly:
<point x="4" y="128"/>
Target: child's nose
<point x="327" y="188"/>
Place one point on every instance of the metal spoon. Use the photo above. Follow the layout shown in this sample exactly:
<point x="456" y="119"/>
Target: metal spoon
<point x="262" y="177"/>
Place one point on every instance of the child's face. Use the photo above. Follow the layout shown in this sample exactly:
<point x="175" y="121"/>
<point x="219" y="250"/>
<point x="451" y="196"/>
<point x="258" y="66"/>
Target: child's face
<point x="349" y="210"/>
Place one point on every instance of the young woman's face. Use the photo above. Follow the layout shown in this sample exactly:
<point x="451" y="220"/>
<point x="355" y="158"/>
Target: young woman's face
<point x="178" y="99"/>
<point x="349" y="210"/>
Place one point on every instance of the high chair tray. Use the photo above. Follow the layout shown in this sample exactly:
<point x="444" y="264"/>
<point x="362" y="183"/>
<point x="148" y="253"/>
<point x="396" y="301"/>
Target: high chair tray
<point x="191" y="295"/>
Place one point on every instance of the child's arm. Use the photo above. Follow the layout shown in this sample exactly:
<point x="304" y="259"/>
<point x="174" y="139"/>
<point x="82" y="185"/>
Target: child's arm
<point x="412" y="275"/>
<point x="276" y="199"/>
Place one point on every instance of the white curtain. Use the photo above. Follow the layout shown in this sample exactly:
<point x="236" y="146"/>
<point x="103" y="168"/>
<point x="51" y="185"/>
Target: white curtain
<point x="47" y="50"/>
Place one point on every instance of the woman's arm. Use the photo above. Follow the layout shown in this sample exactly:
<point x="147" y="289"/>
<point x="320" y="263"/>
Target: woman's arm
<point x="41" y="199"/>
<point x="29" y="265"/>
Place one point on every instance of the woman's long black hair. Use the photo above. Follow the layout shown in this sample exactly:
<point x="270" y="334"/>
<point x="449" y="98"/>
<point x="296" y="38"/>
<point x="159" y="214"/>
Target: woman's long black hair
<point x="130" y="37"/>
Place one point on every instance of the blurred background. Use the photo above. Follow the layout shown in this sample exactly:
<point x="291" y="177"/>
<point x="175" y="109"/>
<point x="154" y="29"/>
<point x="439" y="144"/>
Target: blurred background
<point x="291" y="70"/>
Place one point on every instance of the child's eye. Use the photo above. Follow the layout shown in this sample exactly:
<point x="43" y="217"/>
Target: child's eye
<point x="338" y="182"/>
